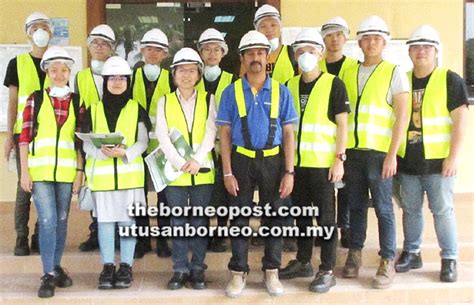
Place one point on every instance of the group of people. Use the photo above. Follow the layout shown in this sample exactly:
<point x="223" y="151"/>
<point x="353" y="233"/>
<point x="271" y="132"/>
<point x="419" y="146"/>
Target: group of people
<point x="298" y="120"/>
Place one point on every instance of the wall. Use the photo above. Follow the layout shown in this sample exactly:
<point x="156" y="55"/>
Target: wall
<point x="402" y="17"/>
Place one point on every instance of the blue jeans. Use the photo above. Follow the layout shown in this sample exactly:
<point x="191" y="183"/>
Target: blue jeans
<point x="106" y="236"/>
<point x="178" y="196"/>
<point x="52" y="201"/>
<point x="439" y="190"/>
<point x="364" y="172"/>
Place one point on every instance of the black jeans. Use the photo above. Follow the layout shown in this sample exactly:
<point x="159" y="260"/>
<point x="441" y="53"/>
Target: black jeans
<point x="22" y="200"/>
<point x="266" y="173"/>
<point x="343" y="209"/>
<point x="312" y="188"/>
<point x="220" y="197"/>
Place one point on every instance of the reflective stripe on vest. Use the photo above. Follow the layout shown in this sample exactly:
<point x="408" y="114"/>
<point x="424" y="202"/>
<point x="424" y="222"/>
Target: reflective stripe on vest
<point x="435" y="118"/>
<point x="139" y="94"/>
<point x="371" y="121"/>
<point x="176" y="119"/>
<point x="112" y="173"/>
<point x="315" y="134"/>
<point x="224" y="81"/>
<point x="87" y="88"/>
<point x="274" y="112"/>
<point x="52" y="156"/>
<point x="347" y="64"/>
<point x="28" y="82"/>
<point x="283" y="69"/>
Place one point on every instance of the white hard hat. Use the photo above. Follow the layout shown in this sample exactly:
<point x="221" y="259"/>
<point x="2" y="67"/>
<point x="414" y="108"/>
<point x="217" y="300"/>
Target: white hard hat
<point x="37" y="17"/>
<point x="116" y="65"/>
<point x="252" y="40"/>
<point x="155" y="38"/>
<point x="333" y="25"/>
<point x="425" y="35"/>
<point x="186" y="56"/>
<point x="212" y="35"/>
<point x="373" y="25"/>
<point x="102" y="31"/>
<point x="265" y="10"/>
<point x="309" y="37"/>
<point x="56" y="54"/>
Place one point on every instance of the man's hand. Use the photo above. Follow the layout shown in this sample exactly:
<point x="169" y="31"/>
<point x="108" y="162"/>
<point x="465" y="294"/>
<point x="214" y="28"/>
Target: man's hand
<point x="389" y="167"/>
<point x="286" y="185"/>
<point x="231" y="185"/>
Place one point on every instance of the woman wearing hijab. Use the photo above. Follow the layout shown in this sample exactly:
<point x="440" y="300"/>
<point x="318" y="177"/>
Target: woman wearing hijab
<point x="115" y="173"/>
<point x="192" y="113"/>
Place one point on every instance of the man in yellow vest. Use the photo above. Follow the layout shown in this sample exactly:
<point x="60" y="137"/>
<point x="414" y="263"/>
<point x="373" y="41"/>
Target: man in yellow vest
<point x="212" y="48"/>
<point x="281" y="65"/>
<point x="429" y="154"/>
<point x="321" y="102"/>
<point x="149" y="84"/>
<point x="335" y="33"/>
<point x="23" y="77"/>
<point x="378" y="94"/>
<point x="256" y="115"/>
<point x="89" y="85"/>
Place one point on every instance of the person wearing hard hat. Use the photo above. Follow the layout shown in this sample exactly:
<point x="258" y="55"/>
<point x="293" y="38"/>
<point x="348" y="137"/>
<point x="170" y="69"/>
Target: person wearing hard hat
<point x="24" y="76"/>
<point x="280" y="65"/>
<point x="88" y="84"/>
<point x="191" y="113"/>
<point x="378" y="96"/>
<point x="321" y="101"/>
<point x="149" y="83"/>
<point x="335" y="33"/>
<point x="51" y="162"/>
<point x="256" y="117"/>
<point x="212" y="48"/>
<point x="438" y="111"/>
<point x="116" y="174"/>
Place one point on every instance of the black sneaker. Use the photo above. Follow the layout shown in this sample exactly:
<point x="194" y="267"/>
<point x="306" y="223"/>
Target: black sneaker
<point x="295" y="269"/>
<point x="197" y="279"/>
<point x="217" y="244"/>
<point x="408" y="261"/>
<point x="323" y="281"/>
<point x="162" y="248"/>
<point x="449" y="272"/>
<point x="35" y="244"/>
<point x="46" y="289"/>
<point x="178" y="280"/>
<point x="91" y="244"/>
<point x="107" y="277"/>
<point x="124" y="276"/>
<point x="61" y="278"/>
<point x="21" y="246"/>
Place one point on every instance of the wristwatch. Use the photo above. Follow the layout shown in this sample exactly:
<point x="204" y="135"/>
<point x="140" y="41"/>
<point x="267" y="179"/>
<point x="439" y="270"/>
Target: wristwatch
<point x="341" y="156"/>
<point x="292" y="173"/>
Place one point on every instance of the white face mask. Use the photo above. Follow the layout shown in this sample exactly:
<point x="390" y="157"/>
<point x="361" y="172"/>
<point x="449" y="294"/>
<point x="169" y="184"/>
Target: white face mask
<point x="96" y="66"/>
<point x="307" y="62"/>
<point x="274" y="43"/>
<point x="59" y="91"/>
<point x="151" y="72"/>
<point x="211" y="73"/>
<point x="40" y="38"/>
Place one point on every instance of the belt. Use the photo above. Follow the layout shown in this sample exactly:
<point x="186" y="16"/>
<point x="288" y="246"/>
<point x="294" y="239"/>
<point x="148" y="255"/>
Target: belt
<point x="257" y="153"/>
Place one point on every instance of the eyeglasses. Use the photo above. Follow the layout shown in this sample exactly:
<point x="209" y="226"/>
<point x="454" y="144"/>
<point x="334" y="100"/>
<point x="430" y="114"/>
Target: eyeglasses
<point x="116" y="78"/>
<point x="99" y="44"/>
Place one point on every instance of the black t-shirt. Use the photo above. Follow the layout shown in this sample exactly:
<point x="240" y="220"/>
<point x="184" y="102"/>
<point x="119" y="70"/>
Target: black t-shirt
<point x="211" y="87"/>
<point x="335" y="67"/>
<point x="338" y="101"/>
<point x="11" y="75"/>
<point x="414" y="162"/>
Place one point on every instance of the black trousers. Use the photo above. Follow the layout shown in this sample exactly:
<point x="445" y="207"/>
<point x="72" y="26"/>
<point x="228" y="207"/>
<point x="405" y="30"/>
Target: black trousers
<point x="266" y="173"/>
<point x="312" y="188"/>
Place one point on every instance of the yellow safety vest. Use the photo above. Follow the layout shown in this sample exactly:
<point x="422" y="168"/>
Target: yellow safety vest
<point x="274" y="112"/>
<point x="139" y="95"/>
<point x="175" y="118"/>
<point x="112" y="173"/>
<point x="283" y="69"/>
<point x="87" y="88"/>
<point x="316" y="133"/>
<point x="346" y="65"/>
<point x="435" y="117"/>
<point x="370" y="124"/>
<point x="224" y="81"/>
<point x="52" y="156"/>
<point x="28" y="82"/>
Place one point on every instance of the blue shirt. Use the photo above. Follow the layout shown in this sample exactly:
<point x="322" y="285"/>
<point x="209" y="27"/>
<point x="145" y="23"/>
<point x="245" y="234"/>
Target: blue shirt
<point x="258" y="113"/>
